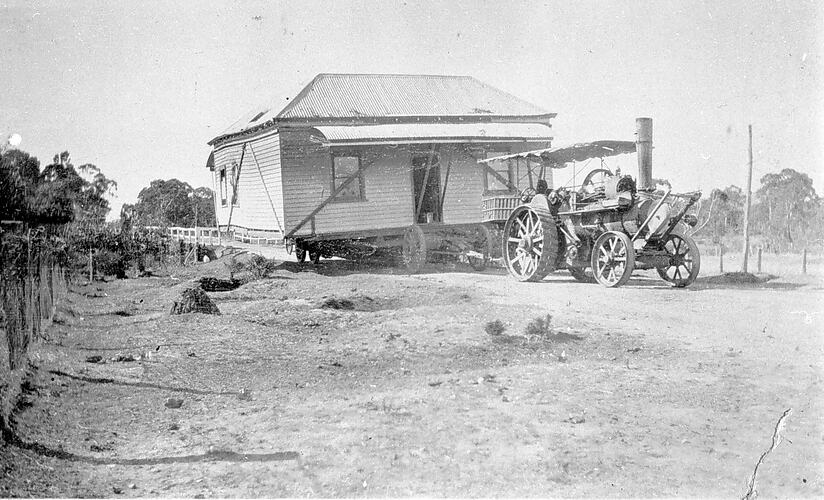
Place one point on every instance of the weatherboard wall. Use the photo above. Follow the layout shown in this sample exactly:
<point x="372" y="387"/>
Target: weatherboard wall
<point x="260" y="179"/>
<point x="307" y="182"/>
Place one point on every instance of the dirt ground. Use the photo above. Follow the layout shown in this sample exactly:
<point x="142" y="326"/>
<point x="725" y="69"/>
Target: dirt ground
<point x="349" y="381"/>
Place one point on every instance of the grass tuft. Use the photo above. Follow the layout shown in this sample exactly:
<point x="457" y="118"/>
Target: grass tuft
<point x="495" y="328"/>
<point x="540" y="327"/>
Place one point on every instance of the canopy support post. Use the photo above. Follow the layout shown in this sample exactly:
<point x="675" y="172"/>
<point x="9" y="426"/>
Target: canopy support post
<point x="425" y="181"/>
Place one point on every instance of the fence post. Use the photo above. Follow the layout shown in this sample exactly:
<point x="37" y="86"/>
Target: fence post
<point x="721" y="258"/>
<point x="804" y="261"/>
<point x="91" y="266"/>
<point x="759" y="259"/>
<point x="31" y="329"/>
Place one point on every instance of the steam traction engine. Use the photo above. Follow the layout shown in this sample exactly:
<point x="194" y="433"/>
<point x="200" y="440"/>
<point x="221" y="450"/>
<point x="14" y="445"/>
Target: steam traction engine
<point x="607" y="223"/>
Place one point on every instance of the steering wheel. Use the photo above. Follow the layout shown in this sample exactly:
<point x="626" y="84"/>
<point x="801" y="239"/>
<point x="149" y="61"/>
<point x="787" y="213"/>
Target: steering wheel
<point x="528" y="193"/>
<point x="591" y="175"/>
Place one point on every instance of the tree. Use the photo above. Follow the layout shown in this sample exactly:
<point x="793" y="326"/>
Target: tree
<point x="59" y="194"/>
<point x="19" y="176"/>
<point x="786" y="209"/>
<point x="172" y="203"/>
<point x="724" y="214"/>
<point x="205" y="199"/>
<point x="82" y="190"/>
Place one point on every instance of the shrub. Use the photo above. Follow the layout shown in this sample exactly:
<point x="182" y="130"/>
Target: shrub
<point x="539" y="327"/>
<point x="494" y="328"/>
<point x="109" y="263"/>
<point x="260" y="266"/>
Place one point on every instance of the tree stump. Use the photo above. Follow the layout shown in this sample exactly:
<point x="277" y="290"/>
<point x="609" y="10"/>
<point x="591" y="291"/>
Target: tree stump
<point x="194" y="300"/>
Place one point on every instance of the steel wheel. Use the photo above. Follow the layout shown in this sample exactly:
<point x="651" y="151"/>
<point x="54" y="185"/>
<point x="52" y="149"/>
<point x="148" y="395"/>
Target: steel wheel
<point x="414" y="248"/>
<point x="530" y="244"/>
<point x="613" y="259"/>
<point x="684" y="260"/>
<point x="314" y="256"/>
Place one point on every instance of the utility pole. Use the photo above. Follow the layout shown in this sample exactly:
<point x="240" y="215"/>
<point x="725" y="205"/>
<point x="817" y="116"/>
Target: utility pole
<point x="747" y="206"/>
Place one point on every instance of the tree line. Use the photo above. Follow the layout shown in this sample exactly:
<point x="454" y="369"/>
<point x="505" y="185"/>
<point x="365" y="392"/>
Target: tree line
<point x="68" y="206"/>
<point x="786" y="214"/>
<point x="61" y="193"/>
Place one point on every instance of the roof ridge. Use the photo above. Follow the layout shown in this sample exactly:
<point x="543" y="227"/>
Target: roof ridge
<point x="415" y="75"/>
<point x="513" y="96"/>
<point x="293" y="102"/>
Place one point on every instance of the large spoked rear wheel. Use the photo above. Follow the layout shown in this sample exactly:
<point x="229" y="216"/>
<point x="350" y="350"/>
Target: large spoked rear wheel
<point x="684" y="260"/>
<point x="530" y="244"/>
<point x="613" y="259"/>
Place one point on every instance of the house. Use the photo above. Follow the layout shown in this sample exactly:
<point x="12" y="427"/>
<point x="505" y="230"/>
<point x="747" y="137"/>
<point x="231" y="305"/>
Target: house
<point x="360" y="155"/>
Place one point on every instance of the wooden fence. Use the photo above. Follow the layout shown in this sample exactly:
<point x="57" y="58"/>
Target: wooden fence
<point x="211" y="236"/>
<point x="196" y="235"/>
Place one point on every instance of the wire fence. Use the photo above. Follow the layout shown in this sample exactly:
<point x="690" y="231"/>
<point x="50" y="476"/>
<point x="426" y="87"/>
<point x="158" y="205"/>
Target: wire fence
<point x="32" y="281"/>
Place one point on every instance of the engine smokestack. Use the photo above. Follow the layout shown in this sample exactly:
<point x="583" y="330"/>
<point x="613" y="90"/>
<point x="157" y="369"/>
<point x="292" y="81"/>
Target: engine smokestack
<point x="643" y="145"/>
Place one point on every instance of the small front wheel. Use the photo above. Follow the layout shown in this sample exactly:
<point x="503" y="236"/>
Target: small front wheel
<point x="684" y="260"/>
<point x="613" y="259"/>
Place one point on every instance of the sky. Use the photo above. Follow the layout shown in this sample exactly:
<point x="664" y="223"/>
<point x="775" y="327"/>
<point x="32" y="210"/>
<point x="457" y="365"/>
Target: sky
<point x="139" y="88"/>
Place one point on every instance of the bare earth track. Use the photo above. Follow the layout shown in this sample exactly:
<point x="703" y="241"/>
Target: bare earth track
<point x="352" y="382"/>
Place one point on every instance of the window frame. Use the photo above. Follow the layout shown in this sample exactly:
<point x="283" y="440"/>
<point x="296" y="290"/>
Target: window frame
<point x="509" y="173"/>
<point x="223" y="186"/>
<point x="361" y="197"/>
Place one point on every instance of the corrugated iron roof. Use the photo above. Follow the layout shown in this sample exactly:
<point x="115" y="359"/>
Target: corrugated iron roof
<point x="358" y="96"/>
<point x="330" y="97"/>
<point x="559" y="156"/>
<point x="399" y="133"/>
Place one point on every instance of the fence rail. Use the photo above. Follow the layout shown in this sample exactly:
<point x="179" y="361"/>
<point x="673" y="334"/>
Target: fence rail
<point x="212" y="236"/>
<point x="201" y="235"/>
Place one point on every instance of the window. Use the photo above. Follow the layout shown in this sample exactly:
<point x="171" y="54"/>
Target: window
<point x="502" y="168"/>
<point x="223" y="187"/>
<point x="344" y="167"/>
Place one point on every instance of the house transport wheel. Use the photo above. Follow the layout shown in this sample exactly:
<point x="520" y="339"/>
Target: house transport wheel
<point x="413" y="249"/>
<point x="483" y="244"/>
<point x="300" y="254"/>
<point x="684" y="260"/>
<point x="530" y="244"/>
<point x="314" y="256"/>
<point x="613" y="259"/>
<point x="314" y="252"/>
